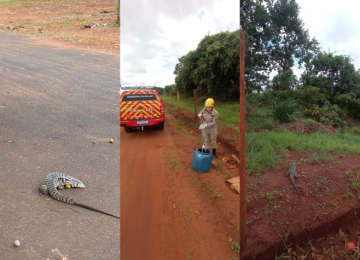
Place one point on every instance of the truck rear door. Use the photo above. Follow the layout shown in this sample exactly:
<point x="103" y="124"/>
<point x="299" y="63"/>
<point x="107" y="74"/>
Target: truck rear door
<point x="139" y="105"/>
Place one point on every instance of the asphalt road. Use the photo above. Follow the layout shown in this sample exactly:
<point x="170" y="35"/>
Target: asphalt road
<point x="53" y="104"/>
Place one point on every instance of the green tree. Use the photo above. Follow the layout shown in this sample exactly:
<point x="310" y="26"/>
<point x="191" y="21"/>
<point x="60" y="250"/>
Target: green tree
<point x="285" y="81"/>
<point x="213" y="67"/>
<point x="333" y="74"/>
<point x="169" y="89"/>
<point x="275" y="35"/>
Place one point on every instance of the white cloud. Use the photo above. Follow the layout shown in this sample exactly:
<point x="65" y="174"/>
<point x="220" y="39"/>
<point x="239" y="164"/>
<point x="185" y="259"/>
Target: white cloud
<point x="334" y="24"/>
<point x="154" y="36"/>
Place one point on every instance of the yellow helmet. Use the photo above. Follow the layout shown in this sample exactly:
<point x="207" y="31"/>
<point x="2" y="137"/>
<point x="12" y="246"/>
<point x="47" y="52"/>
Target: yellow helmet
<point x="209" y="102"/>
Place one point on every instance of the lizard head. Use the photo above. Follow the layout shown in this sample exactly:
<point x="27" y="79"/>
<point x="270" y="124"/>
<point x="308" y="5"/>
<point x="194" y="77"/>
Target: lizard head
<point x="292" y="165"/>
<point x="74" y="183"/>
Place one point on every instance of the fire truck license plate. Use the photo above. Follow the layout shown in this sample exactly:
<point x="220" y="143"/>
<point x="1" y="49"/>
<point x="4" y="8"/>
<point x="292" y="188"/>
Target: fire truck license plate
<point x="142" y="122"/>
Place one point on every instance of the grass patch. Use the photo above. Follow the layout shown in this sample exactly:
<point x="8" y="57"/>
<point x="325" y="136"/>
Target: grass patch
<point x="9" y="3"/>
<point x="25" y="22"/>
<point x="229" y="113"/>
<point x="309" y="121"/>
<point x="265" y="150"/>
<point x="284" y="111"/>
<point x="352" y="130"/>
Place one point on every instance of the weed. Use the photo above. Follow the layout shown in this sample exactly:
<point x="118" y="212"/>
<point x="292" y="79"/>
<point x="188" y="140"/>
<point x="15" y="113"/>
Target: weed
<point x="191" y="252"/>
<point x="270" y="196"/>
<point x="178" y="203"/>
<point x="348" y="194"/>
<point x="334" y="203"/>
<point x="234" y="245"/>
<point x="284" y="111"/>
<point x="232" y="224"/>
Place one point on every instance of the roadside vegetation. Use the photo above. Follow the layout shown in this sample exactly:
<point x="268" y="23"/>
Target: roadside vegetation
<point x="326" y="94"/>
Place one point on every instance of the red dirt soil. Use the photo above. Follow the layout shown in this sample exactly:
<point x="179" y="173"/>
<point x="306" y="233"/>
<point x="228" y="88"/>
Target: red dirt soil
<point x="167" y="211"/>
<point x="61" y="23"/>
<point x="321" y="212"/>
<point x="299" y="126"/>
<point x="322" y="187"/>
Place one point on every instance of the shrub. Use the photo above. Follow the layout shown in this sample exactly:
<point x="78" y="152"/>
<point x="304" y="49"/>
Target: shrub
<point x="284" y="111"/>
<point x="327" y="115"/>
<point x="308" y="96"/>
<point x="350" y="102"/>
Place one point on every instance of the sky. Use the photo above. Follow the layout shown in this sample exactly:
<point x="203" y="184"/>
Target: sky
<point x="335" y="24"/>
<point x="154" y="34"/>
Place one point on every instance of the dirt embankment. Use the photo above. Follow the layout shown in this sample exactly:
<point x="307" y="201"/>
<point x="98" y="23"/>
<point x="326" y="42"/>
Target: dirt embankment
<point x="61" y="23"/>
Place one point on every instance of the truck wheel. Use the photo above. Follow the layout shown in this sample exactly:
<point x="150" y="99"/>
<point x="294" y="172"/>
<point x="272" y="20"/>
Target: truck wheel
<point x="127" y="129"/>
<point x="161" y="125"/>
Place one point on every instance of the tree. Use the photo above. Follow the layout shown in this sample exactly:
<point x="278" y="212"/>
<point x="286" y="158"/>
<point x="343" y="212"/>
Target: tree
<point x="285" y="81"/>
<point x="333" y="74"/>
<point x="169" y="89"/>
<point x="275" y="35"/>
<point x="213" y="67"/>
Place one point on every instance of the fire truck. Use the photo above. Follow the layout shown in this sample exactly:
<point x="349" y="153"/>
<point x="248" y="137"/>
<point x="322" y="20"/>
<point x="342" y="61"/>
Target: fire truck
<point x="141" y="107"/>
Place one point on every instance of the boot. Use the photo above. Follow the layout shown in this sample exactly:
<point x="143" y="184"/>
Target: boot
<point x="214" y="154"/>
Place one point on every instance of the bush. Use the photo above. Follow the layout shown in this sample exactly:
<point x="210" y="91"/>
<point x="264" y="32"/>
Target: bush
<point x="284" y="111"/>
<point x="350" y="102"/>
<point x="327" y="115"/>
<point x="308" y="96"/>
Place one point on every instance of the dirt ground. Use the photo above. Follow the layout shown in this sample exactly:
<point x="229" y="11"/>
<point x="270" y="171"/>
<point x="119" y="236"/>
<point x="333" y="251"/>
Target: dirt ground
<point x="172" y="211"/>
<point x="61" y="23"/>
<point x="318" y="225"/>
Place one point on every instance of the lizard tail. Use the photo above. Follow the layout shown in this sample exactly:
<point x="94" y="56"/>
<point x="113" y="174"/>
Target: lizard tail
<point x="297" y="192"/>
<point x="91" y="208"/>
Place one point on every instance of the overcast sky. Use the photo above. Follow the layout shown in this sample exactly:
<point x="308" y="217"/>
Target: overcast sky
<point x="335" y="24"/>
<point x="154" y="34"/>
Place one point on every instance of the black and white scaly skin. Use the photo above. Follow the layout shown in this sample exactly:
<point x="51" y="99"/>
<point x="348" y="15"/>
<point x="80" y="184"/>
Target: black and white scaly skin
<point x="57" y="180"/>
<point x="293" y="173"/>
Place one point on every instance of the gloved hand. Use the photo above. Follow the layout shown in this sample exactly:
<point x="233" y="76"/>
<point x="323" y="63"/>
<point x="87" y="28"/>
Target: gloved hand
<point x="200" y="115"/>
<point x="202" y="126"/>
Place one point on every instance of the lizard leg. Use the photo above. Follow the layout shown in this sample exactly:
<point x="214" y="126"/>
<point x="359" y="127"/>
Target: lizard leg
<point x="43" y="190"/>
<point x="296" y="174"/>
<point x="287" y="173"/>
<point x="60" y="187"/>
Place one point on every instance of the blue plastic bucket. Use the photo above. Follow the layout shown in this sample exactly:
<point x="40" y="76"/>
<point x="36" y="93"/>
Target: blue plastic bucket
<point x="202" y="160"/>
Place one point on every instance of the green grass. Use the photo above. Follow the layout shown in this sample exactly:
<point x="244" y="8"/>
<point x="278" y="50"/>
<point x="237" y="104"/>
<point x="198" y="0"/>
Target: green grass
<point x="229" y="114"/>
<point x="284" y="111"/>
<point x="353" y="130"/>
<point x="9" y="3"/>
<point x="25" y="22"/>
<point x="309" y="121"/>
<point x="265" y="150"/>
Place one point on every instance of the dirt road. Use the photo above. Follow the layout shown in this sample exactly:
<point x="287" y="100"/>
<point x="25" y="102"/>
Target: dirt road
<point x="166" y="208"/>
<point x="61" y="23"/>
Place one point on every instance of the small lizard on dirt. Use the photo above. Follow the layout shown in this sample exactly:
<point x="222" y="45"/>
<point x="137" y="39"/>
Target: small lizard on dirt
<point x="293" y="173"/>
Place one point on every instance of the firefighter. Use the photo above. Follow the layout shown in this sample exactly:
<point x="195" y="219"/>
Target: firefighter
<point x="209" y="118"/>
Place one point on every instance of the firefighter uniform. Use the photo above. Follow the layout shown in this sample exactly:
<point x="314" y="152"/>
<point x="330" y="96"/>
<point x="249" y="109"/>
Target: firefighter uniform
<point x="210" y="131"/>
